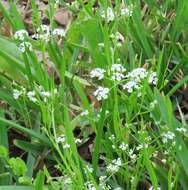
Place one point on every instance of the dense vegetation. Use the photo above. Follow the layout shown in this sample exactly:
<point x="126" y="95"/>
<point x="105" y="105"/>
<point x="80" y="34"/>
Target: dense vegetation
<point x="99" y="103"/>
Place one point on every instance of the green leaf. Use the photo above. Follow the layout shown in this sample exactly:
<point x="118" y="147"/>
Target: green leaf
<point x="18" y="166"/>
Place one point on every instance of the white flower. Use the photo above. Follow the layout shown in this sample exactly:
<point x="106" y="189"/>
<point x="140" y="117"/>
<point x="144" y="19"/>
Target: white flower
<point x="61" y="139"/>
<point x="108" y="14"/>
<point x="89" y="169"/>
<point x="101" y="45"/>
<point x="43" y="33"/>
<point x="153" y="104"/>
<point x="84" y="113"/>
<point x="66" y="146"/>
<point x="130" y="86"/>
<point x="152" y="188"/>
<point x="98" y="73"/>
<point x="112" y="137"/>
<point x="153" y="78"/>
<point x="58" y="32"/>
<point x="77" y="141"/>
<point x="90" y="185"/>
<point x="114" y="166"/>
<point x="118" y="188"/>
<point x="118" y="37"/>
<point x="16" y="94"/>
<point x="21" y="34"/>
<point x="137" y="74"/>
<point x="123" y="146"/>
<point x="117" y="76"/>
<point x="181" y="129"/>
<point x="131" y="154"/>
<point x="101" y="93"/>
<point x="168" y="136"/>
<point x="45" y="94"/>
<point x="44" y="29"/>
<point x="31" y="96"/>
<point x="24" y="46"/>
<point x="118" y="68"/>
<point x="127" y="11"/>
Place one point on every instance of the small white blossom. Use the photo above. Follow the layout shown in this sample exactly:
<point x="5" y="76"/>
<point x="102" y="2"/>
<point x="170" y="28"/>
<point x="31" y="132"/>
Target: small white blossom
<point x="117" y="76"/>
<point x="21" y="34"/>
<point x="152" y="188"/>
<point x="101" y="45"/>
<point x="90" y="185"/>
<point x="153" y="104"/>
<point x="77" y="141"/>
<point x="114" y="166"/>
<point x="66" y="146"/>
<point x="118" y="68"/>
<point x="117" y="188"/>
<point x="101" y="93"/>
<point x="31" y="96"/>
<point x="61" y="139"/>
<point x="123" y="146"/>
<point x="43" y="33"/>
<point x="97" y="73"/>
<point x="84" y="113"/>
<point x="130" y="86"/>
<point x="181" y="130"/>
<point x="16" y="94"/>
<point x="168" y="136"/>
<point x="108" y="14"/>
<point x="24" y="46"/>
<point x="137" y="74"/>
<point x="127" y="11"/>
<point x="89" y="169"/>
<point x="112" y="137"/>
<point x="153" y="78"/>
<point x="58" y="32"/>
<point x="45" y="94"/>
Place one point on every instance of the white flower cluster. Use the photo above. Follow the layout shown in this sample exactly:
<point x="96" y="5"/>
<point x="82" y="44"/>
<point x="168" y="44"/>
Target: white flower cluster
<point x="84" y="113"/>
<point x="44" y="33"/>
<point x="17" y="94"/>
<point x="25" y="46"/>
<point x="135" y="78"/>
<point x="58" y="32"/>
<point x="89" y="185"/>
<point x="32" y="96"/>
<point x="127" y="11"/>
<point x="153" y="78"/>
<point x="21" y="35"/>
<point x="117" y="72"/>
<point x="132" y="155"/>
<point x="123" y="146"/>
<point x="108" y="14"/>
<point x="130" y="86"/>
<point x="153" y="104"/>
<point x="101" y="93"/>
<point x="168" y="136"/>
<point x="181" y="130"/>
<point x="62" y="139"/>
<point x="89" y="169"/>
<point x="152" y="188"/>
<point x="102" y="183"/>
<point x="137" y="74"/>
<point x="97" y="73"/>
<point x="114" y="166"/>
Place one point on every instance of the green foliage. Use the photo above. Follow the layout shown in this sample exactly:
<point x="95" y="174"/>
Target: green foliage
<point x="18" y="166"/>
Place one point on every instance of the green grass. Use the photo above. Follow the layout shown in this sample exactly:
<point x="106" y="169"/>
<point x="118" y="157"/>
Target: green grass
<point x="132" y="138"/>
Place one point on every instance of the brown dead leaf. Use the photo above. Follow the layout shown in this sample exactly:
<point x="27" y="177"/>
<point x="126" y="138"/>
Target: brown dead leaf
<point x="63" y="17"/>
